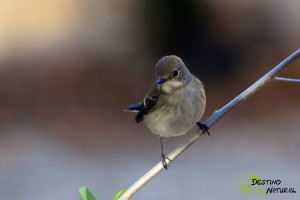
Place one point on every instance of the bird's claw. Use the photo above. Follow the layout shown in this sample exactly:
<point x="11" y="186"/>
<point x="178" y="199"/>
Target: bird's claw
<point x="204" y="128"/>
<point x="163" y="161"/>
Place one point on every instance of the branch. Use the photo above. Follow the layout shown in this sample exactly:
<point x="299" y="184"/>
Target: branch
<point x="214" y="118"/>
<point x="287" y="79"/>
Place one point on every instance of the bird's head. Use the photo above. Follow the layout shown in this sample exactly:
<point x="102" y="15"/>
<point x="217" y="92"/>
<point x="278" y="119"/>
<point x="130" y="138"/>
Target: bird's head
<point x="171" y="73"/>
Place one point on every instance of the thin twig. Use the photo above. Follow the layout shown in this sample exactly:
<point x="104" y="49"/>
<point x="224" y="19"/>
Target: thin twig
<point x="215" y="117"/>
<point x="287" y="79"/>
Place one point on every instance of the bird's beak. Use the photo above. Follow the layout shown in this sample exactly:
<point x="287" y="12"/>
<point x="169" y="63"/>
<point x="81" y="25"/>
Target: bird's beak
<point x="161" y="80"/>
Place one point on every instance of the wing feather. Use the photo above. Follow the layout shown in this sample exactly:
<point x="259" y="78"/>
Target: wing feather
<point x="149" y="103"/>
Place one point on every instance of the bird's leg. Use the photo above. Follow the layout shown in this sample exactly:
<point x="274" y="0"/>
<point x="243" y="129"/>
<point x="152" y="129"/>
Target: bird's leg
<point x="163" y="157"/>
<point x="204" y="128"/>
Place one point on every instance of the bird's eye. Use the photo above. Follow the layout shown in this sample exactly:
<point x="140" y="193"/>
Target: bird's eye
<point x="175" y="73"/>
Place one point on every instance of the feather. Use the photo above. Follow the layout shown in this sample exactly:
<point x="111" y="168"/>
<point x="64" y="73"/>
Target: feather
<point x="134" y="108"/>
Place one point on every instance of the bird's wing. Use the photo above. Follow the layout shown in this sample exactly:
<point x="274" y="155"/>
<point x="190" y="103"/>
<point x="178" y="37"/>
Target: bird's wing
<point x="135" y="107"/>
<point x="149" y="103"/>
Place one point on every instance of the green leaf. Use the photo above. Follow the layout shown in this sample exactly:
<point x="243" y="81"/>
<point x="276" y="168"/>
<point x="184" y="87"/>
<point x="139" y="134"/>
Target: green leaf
<point x="86" y="194"/>
<point x="119" y="194"/>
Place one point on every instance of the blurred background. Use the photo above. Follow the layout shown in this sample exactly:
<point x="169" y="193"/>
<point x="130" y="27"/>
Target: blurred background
<point x="68" y="68"/>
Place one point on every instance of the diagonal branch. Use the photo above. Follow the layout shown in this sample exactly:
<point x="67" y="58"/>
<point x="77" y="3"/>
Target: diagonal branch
<point x="214" y="118"/>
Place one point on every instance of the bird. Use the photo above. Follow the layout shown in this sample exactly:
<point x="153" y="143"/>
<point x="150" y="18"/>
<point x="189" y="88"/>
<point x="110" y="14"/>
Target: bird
<point x="174" y="104"/>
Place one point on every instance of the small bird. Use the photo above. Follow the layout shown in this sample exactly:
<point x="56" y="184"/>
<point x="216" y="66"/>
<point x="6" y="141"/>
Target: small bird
<point x="175" y="102"/>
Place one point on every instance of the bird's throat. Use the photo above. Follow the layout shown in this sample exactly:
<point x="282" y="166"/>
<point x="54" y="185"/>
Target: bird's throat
<point x="171" y="86"/>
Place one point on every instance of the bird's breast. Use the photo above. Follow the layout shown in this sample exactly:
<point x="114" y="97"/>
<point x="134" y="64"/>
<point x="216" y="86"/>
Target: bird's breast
<point x="176" y="113"/>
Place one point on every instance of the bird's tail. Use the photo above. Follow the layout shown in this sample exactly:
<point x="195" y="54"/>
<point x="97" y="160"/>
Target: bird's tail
<point x="134" y="108"/>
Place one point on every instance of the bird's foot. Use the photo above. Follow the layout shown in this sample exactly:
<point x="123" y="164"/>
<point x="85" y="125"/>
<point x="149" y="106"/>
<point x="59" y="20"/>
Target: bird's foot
<point x="163" y="161"/>
<point x="204" y="128"/>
